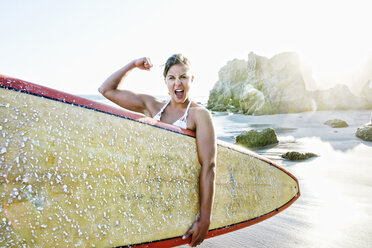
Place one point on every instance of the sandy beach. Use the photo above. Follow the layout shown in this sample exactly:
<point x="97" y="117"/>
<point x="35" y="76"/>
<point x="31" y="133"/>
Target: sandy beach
<point x="335" y="207"/>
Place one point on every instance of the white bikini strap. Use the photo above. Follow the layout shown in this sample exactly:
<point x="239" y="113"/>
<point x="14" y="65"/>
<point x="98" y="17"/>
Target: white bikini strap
<point x="164" y="106"/>
<point x="186" y="112"/>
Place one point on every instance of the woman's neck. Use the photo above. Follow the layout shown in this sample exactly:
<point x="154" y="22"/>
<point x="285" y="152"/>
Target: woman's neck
<point x="178" y="105"/>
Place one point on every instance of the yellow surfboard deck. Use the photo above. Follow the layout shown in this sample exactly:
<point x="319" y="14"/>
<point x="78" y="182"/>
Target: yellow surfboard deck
<point x="75" y="176"/>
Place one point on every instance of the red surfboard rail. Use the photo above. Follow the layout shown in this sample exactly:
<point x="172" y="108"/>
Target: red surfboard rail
<point x="42" y="91"/>
<point x="35" y="89"/>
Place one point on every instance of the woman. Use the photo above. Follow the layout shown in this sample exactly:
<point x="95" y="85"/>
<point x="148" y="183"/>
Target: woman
<point x="180" y="111"/>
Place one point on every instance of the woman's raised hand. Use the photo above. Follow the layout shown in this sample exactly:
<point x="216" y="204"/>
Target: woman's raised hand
<point x="143" y="63"/>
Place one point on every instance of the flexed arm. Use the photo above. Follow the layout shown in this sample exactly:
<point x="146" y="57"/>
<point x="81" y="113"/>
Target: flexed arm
<point x="125" y="98"/>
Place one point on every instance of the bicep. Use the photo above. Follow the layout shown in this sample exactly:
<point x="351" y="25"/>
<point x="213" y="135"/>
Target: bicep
<point x="129" y="100"/>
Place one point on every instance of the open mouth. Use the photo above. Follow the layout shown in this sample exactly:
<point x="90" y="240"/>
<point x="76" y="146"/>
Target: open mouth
<point x="179" y="93"/>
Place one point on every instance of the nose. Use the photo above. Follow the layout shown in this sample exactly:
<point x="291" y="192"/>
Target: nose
<point x="178" y="81"/>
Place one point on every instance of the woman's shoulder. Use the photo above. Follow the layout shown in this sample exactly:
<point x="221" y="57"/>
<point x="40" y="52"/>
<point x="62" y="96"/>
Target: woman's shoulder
<point x="199" y="112"/>
<point x="198" y="116"/>
<point x="198" y="108"/>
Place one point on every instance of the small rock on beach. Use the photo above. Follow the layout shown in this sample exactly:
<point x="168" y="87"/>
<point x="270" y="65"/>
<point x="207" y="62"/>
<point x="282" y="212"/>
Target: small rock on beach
<point x="255" y="138"/>
<point x="336" y="123"/>
<point x="295" y="156"/>
<point x="365" y="132"/>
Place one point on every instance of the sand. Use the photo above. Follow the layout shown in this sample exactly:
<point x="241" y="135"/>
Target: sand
<point x="335" y="207"/>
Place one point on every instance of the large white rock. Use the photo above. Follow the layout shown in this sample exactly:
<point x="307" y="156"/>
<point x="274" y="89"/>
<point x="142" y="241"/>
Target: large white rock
<point x="261" y="86"/>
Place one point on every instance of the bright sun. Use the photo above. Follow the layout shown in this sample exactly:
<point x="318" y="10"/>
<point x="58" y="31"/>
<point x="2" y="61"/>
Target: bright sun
<point x="334" y="67"/>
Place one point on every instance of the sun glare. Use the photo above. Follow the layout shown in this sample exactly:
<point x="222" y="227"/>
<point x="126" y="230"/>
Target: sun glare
<point x="333" y="67"/>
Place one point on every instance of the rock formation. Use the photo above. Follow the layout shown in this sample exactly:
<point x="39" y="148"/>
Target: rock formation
<point x="261" y="86"/>
<point x="272" y="86"/>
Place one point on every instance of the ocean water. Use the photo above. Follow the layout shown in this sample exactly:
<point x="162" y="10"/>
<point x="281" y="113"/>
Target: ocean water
<point x="335" y="207"/>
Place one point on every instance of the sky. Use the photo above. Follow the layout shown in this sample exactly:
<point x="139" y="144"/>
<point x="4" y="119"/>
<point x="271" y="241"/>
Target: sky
<point x="74" y="45"/>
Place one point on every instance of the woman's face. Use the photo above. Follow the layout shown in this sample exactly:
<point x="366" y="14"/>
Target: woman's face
<point x="178" y="80"/>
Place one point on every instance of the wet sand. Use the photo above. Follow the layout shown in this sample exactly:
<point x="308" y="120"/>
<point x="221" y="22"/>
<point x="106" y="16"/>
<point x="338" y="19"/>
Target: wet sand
<point x="335" y="207"/>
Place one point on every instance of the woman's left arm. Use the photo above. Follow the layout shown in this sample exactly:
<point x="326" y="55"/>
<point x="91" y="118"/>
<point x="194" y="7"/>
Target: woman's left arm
<point x="207" y="149"/>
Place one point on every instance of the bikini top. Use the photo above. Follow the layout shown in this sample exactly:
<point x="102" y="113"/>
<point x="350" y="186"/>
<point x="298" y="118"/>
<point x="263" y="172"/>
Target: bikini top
<point x="181" y="122"/>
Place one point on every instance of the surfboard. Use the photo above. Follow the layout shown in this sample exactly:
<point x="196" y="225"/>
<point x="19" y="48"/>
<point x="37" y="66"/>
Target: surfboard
<point x="78" y="173"/>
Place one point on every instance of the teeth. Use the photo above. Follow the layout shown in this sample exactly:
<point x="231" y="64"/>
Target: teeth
<point x="179" y="90"/>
